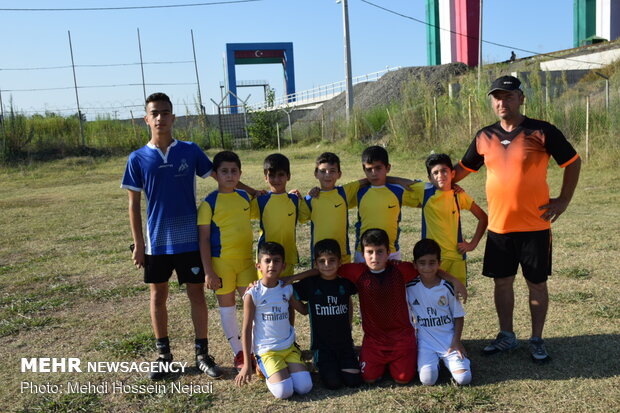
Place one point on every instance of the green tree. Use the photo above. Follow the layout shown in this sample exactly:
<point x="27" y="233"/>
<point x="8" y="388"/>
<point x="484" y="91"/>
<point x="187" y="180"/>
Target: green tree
<point x="262" y="128"/>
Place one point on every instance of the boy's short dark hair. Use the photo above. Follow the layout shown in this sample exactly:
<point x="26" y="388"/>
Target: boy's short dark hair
<point x="438" y="159"/>
<point x="426" y="246"/>
<point x="327" y="157"/>
<point x="225" y="156"/>
<point x="375" y="154"/>
<point x="276" y="162"/>
<point x="327" y="246"/>
<point x="376" y="237"/>
<point x="270" y="248"/>
<point x="158" y="97"/>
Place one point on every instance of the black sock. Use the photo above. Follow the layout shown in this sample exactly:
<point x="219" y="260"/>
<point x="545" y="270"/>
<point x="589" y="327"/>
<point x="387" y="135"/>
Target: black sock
<point x="163" y="346"/>
<point x="202" y="346"/>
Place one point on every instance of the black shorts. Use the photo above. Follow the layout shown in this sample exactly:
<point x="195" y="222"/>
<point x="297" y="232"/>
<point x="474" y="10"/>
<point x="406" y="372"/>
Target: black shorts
<point x="187" y="265"/>
<point x="337" y="359"/>
<point x="504" y="253"/>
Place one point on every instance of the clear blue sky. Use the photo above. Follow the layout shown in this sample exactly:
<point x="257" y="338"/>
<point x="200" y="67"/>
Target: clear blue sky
<point x="378" y="39"/>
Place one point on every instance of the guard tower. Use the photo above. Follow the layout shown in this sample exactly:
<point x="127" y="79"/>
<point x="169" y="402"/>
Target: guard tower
<point x="256" y="54"/>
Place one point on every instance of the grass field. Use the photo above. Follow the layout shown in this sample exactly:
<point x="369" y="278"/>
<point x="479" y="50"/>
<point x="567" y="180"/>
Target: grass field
<point x="68" y="289"/>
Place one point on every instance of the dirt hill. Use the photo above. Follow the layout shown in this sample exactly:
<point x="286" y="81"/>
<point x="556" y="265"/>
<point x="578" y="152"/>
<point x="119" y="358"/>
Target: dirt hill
<point x="387" y="89"/>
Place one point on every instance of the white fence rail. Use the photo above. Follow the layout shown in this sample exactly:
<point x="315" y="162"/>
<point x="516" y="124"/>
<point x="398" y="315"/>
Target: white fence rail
<point x="319" y="93"/>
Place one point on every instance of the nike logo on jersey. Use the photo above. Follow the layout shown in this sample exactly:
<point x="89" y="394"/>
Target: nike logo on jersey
<point x="245" y="209"/>
<point x="505" y="142"/>
<point x="336" y="206"/>
<point x="291" y="214"/>
<point x="391" y="206"/>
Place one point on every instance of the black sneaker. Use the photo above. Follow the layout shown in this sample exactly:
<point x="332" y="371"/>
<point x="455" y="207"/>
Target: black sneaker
<point x="505" y="342"/>
<point x="538" y="350"/>
<point x="161" y="370"/>
<point x="206" y="364"/>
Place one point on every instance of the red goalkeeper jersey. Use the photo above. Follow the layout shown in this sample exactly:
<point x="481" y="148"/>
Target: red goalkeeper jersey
<point x="383" y="302"/>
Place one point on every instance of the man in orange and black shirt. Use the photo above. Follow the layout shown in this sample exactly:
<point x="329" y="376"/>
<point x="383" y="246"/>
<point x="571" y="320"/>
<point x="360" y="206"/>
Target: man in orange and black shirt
<point x="516" y="152"/>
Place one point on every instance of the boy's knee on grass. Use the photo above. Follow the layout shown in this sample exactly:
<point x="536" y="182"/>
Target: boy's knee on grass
<point x="330" y="378"/>
<point x="282" y="389"/>
<point x="302" y="382"/>
<point x="429" y="375"/>
<point x="351" y="379"/>
<point x="462" y="378"/>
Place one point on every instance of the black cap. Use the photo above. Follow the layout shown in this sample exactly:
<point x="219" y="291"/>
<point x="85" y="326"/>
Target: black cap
<point x="508" y="83"/>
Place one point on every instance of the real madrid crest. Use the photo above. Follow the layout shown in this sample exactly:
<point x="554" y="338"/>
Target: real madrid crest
<point x="442" y="301"/>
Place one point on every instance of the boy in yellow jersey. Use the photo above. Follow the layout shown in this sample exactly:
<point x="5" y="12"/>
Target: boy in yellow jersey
<point x="328" y="212"/>
<point x="441" y="215"/>
<point x="379" y="205"/>
<point x="278" y="211"/>
<point x="225" y="239"/>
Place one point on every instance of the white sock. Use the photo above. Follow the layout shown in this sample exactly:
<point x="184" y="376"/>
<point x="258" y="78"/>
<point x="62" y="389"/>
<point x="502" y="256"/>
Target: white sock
<point x="228" y="316"/>
<point x="302" y="382"/>
<point x="282" y="389"/>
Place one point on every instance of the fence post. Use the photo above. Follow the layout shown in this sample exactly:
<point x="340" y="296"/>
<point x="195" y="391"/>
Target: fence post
<point x="2" y="125"/>
<point x="607" y="95"/>
<point x="322" y="123"/>
<point x="435" y="114"/>
<point x="278" y="134"/>
<point x="245" y="123"/>
<point x="469" y="112"/>
<point x="133" y="125"/>
<point x="391" y="123"/>
<point x="141" y="64"/>
<point x="587" y="128"/>
<point x="77" y="99"/>
<point x="219" y="119"/>
<point x="203" y="111"/>
<point x="290" y="125"/>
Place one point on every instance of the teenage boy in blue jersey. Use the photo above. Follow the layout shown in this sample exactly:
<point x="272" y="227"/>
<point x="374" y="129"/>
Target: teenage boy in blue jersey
<point x="165" y="170"/>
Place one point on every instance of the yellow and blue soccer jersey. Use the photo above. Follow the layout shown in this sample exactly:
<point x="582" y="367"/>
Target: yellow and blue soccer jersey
<point x="278" y="220"/>
<point x="379" y="207"/>
<point x="228" y="214"/>
<point x="441" y="218"/>
<point x="329" y="218"/>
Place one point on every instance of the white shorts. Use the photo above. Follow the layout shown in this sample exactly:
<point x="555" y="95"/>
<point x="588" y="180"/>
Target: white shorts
<point x="430" y="359"/>
<point x="359" y="257"/>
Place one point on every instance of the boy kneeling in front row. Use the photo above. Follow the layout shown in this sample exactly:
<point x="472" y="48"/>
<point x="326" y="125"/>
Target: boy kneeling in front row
<point x="329" y="303"/>
<point x="438" y="317"/>
<point x="266" y="307"/>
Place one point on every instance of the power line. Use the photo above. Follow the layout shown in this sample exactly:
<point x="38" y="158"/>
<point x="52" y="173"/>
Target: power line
<point x="215" y="3"/>
<point x="54" y="110"/>
<point x="93" y="65"/>
<point x="98" y="86"/>
<point x="474" y="37"/>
